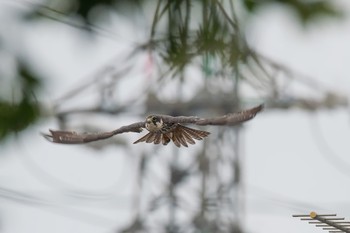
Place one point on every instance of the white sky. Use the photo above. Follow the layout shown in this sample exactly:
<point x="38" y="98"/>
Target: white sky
<point x="285" y="164"/>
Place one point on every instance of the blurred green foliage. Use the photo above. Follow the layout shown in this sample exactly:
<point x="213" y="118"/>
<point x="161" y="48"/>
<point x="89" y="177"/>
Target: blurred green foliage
<point x="81" y="8"/>
<point x="16" y="116"/>
<point x="306" y="10"/>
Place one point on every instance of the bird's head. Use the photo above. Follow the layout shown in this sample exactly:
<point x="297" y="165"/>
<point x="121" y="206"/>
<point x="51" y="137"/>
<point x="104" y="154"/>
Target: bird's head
<point x="153" y="123"/>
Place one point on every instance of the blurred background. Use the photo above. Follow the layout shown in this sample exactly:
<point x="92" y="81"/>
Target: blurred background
<point x="94" y="66"/>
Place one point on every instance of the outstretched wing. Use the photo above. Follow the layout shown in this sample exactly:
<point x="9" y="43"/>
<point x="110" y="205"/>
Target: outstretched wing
<point x="232" y="118"/>
<point x="228" y="119"/>
<point x="72" y="137"/>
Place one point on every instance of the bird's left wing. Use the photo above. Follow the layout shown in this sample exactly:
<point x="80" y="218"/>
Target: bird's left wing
<point x="228" y="119"/>
<point x="232" y="118"/>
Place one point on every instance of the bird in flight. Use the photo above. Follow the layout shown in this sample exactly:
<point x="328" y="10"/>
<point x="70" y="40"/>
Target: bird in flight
<point x="162" y="129"/>
<point x="165" y="132"/>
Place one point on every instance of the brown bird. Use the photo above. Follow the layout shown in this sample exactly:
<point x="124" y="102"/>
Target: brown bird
<point x="162" y="129"/>
<point x="165" y="132"/>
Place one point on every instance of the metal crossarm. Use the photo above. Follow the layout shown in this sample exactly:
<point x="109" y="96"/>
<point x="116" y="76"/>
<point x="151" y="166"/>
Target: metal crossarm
<point x="328" y="222"/>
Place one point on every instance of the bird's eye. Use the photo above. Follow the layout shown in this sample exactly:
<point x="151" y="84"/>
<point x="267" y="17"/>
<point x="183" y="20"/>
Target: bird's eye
<point x="155" y="119"/>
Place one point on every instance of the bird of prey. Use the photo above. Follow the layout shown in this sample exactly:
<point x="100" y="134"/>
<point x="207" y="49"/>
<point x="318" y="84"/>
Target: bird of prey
<point x="162" y="129"/>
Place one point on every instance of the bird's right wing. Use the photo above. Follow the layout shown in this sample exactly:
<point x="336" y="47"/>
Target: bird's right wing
<point x="72" y="137"/>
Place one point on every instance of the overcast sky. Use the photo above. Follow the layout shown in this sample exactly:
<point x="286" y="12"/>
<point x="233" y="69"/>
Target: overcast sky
<point x="294" y="161"/>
